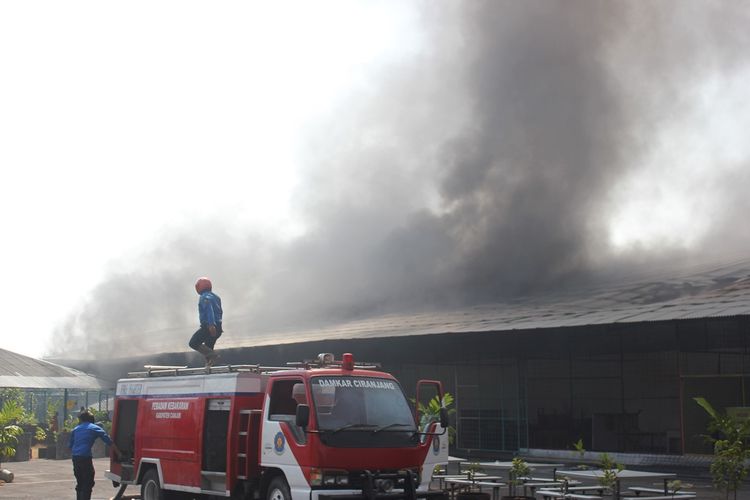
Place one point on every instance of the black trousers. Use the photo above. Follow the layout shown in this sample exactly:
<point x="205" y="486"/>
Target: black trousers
<point x="202" y="336"/>
<point x="83" y="469"/>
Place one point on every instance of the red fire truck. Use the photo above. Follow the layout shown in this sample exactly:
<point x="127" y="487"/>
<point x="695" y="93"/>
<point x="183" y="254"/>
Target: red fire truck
<point x="322" y="429"/>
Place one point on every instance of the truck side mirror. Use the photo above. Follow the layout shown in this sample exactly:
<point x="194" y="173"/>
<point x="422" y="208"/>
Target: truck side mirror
<point x="302" y="418"/>
<point x="444" y="418"/>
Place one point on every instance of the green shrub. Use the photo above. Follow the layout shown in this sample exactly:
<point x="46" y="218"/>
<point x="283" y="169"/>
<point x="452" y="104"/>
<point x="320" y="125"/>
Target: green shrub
<point x="9" y="431"/>
<point x="729" y="437"/>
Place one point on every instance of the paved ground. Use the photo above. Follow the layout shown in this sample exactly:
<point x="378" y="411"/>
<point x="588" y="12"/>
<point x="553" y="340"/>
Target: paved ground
<point x="53" y="479"/>
<point x="42" y="479"/>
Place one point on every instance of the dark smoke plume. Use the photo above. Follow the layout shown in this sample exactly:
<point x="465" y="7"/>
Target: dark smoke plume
<point x="479" y="171"/>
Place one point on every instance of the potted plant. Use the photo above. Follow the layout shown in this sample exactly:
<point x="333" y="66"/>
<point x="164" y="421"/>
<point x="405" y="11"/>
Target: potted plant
<point x="729" y="437"/>
<point x="609" y="469"/>
<point x="62" y="438"/>
<point x="519" y="470"/>
<point x="49" y="448"/>
<point x="578" y="446"/>
<point x="472" y="470"/>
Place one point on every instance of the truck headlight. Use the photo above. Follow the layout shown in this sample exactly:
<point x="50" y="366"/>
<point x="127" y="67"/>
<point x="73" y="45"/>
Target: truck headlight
<point x="342" y="480"/>
<point x="335" y="478"/>
<point x="319" y="477"/>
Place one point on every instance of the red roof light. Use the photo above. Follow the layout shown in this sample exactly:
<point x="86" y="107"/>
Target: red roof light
<point x="347" y="361"/>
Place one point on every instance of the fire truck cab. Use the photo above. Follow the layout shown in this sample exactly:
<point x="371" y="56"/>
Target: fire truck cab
<point x="322" y="429"/>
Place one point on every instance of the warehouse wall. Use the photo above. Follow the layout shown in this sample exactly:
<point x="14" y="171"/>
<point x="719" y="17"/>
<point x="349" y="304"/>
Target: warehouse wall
<point x="619" y="387"/>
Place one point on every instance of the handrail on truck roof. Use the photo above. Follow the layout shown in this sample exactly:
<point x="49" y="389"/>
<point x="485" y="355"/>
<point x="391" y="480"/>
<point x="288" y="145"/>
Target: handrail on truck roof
<point x="335" y="364"/>
<point x="324" y="360"/>
<point x="327" y="360"/>
<point x="172" y="371"/>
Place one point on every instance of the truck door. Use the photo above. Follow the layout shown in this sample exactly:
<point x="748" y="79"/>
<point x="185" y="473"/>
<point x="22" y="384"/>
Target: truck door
<point x="215" y="435"/>
<point x="126" y="413"/>
<point x="283" y="443"/>
<point x="214" y="461"/>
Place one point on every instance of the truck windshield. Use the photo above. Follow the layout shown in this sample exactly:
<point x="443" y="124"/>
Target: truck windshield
<point x="361" y="404"/>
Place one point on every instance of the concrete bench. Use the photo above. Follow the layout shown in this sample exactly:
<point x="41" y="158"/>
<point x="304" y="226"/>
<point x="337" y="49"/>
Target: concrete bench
<point x="666" y="497"/>
<point x="490" y="484"/>
<point x="546" y="485"/>
<point x="576" y="489"/>
<point x="444" y="478"/>
<point x="559" y="494"/>
<point x="463" y="484"/>
<point x="640" y="489"/>
<point x="575" y="492"/>
<point x="549" y="494"/>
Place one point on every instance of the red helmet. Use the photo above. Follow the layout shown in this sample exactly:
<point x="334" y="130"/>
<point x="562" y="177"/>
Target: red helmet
<point x="203" y="284"/>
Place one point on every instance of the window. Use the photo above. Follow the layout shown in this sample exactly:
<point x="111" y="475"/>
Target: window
<point x="285" y="396"/>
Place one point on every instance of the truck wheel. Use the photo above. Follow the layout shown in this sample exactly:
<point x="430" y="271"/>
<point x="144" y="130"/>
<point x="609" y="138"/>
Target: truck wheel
<point x="150" y="487"/>
<point x="277" y="490"/>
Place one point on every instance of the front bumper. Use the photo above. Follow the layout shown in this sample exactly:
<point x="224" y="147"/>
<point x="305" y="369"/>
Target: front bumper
<point x="372" y="488"/>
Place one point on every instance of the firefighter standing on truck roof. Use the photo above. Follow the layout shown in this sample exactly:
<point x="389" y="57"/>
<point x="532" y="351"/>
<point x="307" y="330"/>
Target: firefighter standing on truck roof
<point x="81" y="440"/>
<point x="209" y="315"/>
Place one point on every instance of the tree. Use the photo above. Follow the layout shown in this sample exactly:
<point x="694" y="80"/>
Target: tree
<point x="10" y="413"/>
<point x="729" y="437"/>
<point x="519" y="470"/>
<point x="609" y="469"/>
<point x="431" y="413"/>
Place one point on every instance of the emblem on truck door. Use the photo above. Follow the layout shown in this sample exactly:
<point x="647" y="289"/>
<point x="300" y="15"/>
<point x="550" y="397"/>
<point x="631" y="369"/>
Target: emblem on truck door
<point x="278" y="443"/>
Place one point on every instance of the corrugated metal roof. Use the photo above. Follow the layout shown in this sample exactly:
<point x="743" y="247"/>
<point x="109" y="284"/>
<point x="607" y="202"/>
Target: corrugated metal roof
<point x="17" y="370"/>
<point x="715" y="292"/>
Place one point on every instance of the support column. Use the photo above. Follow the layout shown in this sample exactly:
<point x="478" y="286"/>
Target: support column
<point x="65" y="406"/>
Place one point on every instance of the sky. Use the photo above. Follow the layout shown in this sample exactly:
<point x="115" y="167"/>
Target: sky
<point x="327" y="161"/>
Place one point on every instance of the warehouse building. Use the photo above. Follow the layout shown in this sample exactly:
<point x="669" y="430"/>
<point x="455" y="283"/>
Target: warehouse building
<point x="50" y="393"/>
<point x="616" y="367"/>
<point x="46" y="384"/>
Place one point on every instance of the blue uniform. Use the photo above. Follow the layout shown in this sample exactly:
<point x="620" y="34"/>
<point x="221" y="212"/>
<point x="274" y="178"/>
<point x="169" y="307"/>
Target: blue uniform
<point x="209" y="308"/>
<point x="83" y="436"/>
<point x="81" y="440"/>
<point x="209" y="313"/>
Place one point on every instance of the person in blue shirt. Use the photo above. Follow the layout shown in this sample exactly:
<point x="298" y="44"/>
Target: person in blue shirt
<point x="81" y="440"/>
<point x="209" y="315"/>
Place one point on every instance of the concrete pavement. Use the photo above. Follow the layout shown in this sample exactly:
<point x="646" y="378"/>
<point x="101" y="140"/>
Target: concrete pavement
<point x="53" y="479"/>
<point x="42" y="479"/>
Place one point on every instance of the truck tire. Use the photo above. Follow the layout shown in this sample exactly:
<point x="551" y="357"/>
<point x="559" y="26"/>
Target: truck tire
<point x="150" y="486"/>
<point x="277" y="489"/>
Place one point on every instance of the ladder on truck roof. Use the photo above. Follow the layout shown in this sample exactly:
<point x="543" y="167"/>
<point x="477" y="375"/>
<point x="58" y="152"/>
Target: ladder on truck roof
<point x="320" y="362"/>
<point x="171" y="371"/>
